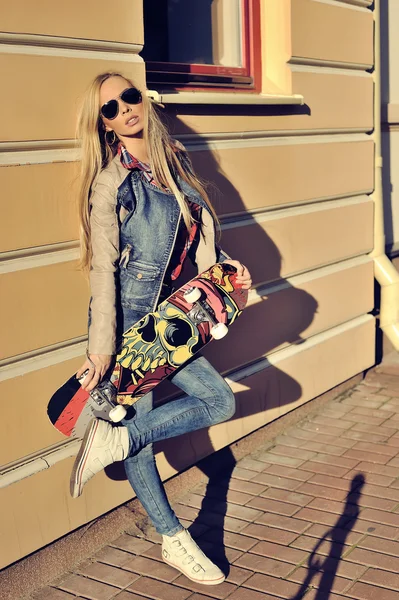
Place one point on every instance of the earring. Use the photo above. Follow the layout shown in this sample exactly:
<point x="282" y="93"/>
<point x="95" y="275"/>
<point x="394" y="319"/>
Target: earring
<point x="113" y="140"/>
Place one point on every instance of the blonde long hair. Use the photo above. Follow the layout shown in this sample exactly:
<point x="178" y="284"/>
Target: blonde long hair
<point x="97" y="153"/>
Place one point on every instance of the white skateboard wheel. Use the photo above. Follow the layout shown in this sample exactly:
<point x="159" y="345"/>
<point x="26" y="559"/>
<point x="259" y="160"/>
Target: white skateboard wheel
<point x="117" y="413"/>
<point x="219" y="331"/>
<point x="192" y="295"/>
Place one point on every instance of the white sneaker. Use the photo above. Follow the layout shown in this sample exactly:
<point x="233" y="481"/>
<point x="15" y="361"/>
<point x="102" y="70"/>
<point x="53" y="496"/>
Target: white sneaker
<point x="102" y="445"/>
<point x="181" y="551"/>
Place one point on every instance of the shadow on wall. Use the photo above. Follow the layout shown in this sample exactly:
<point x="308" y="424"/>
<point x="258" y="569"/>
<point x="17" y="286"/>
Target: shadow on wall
<point x="276" y="320"/>
<point x="387" y="187"/>
<point x="279" y="318"/>
<point x="386" y="139"/>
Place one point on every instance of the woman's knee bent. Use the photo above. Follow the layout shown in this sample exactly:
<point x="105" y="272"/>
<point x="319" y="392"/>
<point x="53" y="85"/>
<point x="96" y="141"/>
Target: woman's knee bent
<point x="225" y="405"/>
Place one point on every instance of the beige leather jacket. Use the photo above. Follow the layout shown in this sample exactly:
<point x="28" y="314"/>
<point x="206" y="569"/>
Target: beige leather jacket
<point x="105" y="222"/>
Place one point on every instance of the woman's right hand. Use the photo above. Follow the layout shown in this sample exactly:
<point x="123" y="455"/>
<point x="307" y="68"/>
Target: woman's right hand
<point x="97" y="365"/>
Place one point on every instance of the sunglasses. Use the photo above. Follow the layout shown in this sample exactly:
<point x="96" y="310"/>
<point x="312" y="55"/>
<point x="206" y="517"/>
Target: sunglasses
<point x="110" y="109"/>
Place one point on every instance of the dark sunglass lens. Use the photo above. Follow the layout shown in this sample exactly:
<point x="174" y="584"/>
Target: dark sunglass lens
<point x="131" y="96"/>
<point x="110" y="109"/>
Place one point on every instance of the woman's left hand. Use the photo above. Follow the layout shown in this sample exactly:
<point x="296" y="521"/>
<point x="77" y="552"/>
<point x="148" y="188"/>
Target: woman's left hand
<point x="243" y="275"/>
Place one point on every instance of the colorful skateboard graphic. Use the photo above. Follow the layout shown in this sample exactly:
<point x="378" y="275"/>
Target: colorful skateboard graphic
<point x="153" y="348"/>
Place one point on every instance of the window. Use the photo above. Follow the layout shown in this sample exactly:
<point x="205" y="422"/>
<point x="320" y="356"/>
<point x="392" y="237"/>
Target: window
<point x="202" y="43"/>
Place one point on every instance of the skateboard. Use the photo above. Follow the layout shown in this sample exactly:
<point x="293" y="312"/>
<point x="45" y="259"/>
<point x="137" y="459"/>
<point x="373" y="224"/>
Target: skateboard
<point x="153" y="348"/>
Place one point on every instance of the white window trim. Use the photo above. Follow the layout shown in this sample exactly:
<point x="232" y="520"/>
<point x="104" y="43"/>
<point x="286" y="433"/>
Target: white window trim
<point x="223" y="98"/>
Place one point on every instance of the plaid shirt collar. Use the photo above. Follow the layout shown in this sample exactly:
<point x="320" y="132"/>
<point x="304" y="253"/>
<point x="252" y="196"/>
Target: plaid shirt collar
<point x="129" y="161"/>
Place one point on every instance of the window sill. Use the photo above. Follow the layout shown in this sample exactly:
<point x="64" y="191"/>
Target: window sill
<point x="222" y="98"/>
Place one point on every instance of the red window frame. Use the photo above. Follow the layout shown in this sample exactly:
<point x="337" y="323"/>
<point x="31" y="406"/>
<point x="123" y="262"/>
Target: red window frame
<point x="191" y="76"/>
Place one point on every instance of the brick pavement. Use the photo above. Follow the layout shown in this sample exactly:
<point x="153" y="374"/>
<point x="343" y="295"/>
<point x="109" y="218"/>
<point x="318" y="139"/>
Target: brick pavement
<point x="314" y="514"/>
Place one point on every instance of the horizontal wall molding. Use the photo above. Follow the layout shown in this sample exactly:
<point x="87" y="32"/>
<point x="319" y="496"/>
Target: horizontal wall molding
<point x="32" y="465"/>
<point x="287" y="213"/>
<point x="36" y="360"/>
<point x="41" y="359"/>
<point x="319" y="273"/>
<point x="281" y="355"/>
<point x="13" y="158"/>
<point x="233" y="217"/>
<point x="29" y="466"/>
<point x="200" y="143"/>
<point x="390" y="128"/>
<point x="32" y="258"/>
<point x="36" y="145"/>
<point x="326" y="70"/>
<point x="390" y="114"/>
<point x="332" y="64"/>
<point x="33" y="251"/>
<point x="190" y="139"/>
<point x="362" y="5"/>
<point x="65" y="52"/>
<point x="393" y="250"/>
<point x="295" y="281"/>
<point x="28" y="39"/>
<point x="55" y="151"/>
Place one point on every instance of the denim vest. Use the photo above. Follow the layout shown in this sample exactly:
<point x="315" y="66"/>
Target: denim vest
<point x="147" y="238"/>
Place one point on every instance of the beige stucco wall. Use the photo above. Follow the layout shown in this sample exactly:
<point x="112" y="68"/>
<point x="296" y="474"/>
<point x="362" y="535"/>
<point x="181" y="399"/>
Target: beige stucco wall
<point x="294" y="198"/>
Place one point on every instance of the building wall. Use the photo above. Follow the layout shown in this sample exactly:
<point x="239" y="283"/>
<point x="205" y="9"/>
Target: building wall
<point x="390" y="121"/>
<point x="293" y="196"/>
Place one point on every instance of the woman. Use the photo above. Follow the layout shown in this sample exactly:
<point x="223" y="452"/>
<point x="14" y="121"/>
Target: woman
<point x="142" y="212"/>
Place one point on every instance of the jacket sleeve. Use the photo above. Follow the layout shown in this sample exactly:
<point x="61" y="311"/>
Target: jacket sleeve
<point x="105" y="255"/>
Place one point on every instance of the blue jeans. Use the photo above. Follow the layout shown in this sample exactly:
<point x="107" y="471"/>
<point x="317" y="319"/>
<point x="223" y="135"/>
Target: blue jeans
<point x="209" y="401"/>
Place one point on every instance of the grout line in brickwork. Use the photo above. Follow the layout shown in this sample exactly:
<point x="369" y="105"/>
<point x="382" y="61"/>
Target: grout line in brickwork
<point x="354" y="546"/>
<point x="374" y="584"/>
<point x="366" y="535"/>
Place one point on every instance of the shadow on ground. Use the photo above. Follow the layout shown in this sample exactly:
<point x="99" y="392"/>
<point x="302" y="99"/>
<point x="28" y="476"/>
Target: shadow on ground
<point x="336" y="536"/>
